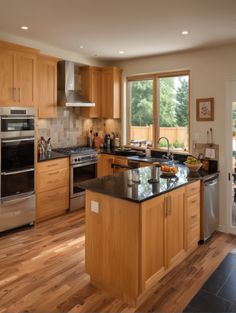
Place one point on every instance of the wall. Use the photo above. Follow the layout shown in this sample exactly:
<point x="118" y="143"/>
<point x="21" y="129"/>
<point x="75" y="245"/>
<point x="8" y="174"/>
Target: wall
<point x="209" y="71"/>
<point x="71" y="129"/>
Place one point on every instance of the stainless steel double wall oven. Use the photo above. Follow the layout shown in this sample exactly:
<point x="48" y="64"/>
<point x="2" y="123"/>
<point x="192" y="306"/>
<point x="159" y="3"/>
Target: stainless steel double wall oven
<point x="17" y="165"/>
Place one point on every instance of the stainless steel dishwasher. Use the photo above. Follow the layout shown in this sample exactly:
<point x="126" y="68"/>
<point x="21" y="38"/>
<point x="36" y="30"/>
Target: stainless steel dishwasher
<point x="210" y="207"/>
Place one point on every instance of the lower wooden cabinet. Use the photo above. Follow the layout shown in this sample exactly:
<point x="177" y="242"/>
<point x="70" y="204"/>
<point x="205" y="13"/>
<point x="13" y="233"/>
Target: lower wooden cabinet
<point x="175" y="226"/>
<point x="104" y="165"/>
<point x="192" y="216"/>
<point x="52" y="196"/>
<point x="131" y="246"/>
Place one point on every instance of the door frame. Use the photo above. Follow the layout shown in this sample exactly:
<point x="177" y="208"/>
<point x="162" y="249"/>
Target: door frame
<point x="230" y="97"/>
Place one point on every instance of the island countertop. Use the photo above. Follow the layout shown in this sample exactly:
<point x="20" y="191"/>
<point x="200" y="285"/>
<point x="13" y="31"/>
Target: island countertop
<point x="119" y="186"/>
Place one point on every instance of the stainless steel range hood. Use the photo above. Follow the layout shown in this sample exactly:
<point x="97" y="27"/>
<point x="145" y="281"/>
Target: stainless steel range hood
<point x="66" y="93"/>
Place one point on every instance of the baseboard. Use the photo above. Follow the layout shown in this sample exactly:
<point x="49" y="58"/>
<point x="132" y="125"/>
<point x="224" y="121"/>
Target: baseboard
<point x="223" y="229"/>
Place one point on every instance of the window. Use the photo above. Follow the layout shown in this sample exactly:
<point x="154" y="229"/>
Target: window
<point x="141" y="112"/>
<point x="159" y="107"/>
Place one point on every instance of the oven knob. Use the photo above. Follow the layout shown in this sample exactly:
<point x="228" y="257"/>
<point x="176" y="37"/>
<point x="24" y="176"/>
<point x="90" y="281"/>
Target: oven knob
<point x="75" y="160"/>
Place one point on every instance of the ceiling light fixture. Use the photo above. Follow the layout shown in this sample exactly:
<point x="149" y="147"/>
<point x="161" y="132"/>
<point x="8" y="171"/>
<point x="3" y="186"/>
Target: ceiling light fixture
<point x="81" y="47"/>
<point x="184" y="32"/>
<point x="24" y="27"/>
<point x="121" y="52"/>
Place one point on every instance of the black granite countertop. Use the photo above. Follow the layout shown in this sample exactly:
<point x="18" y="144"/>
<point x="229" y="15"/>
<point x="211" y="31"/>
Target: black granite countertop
<point x="50" y="156"/>
<point x="119" y="186"/>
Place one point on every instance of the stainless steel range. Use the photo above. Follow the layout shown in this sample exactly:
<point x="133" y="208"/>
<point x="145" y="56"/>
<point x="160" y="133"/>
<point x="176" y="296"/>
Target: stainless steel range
<point x="83" y="166"/>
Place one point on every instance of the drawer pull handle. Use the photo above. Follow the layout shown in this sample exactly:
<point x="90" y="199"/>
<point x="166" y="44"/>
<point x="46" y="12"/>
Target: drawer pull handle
<point x="53" y="196"/>
<point x="194" y="201"/>
<point x="54" y="173"/>
<point x="52" y="165"/>
<point x="52" y="181"/>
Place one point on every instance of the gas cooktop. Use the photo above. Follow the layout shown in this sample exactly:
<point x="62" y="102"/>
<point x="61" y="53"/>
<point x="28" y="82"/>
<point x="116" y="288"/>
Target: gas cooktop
<point x="79" y="154"/>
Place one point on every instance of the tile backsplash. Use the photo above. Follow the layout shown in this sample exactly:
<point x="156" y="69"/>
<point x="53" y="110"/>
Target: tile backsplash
<point x="71" y="129"/>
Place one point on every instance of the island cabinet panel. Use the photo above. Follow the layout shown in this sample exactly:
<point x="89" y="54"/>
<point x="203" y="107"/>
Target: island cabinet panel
<point x="104" y="165"/>
<point x="112" y="245"/>
<point x="175" y="248"/>
<point x="152" y="241"/>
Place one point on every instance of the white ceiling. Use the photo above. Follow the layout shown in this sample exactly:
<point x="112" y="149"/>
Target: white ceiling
<point x="139" y="27"/>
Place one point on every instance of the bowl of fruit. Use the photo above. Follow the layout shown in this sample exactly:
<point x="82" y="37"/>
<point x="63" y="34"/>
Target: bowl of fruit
<point x="193" y="164"/>
<point x="169" y="170"/>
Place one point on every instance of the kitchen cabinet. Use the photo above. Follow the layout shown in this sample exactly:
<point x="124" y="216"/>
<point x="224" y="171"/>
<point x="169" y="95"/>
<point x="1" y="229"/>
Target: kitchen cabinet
<point x="152" y="240"/>
<point x="175" y="227"/>
<point x="192" y="215"/>
<point x="91" y="89"/>
<point x="104" y="165"/>
<point x="47" y="86"/>
<point x="111" y="92"/>
<point x="17" y="75"/>
<point x="144" y="164"/>
<point x="121" y="163"/>
<point x="52" y="193"/>
<point x="147" y="238"/>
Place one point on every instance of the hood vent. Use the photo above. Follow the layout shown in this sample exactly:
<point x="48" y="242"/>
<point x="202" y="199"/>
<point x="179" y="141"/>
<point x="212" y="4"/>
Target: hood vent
<point x="66" y="95"/>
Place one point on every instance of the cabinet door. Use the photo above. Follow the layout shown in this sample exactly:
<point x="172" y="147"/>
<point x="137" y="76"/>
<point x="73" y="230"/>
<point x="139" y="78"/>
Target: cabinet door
<point x="111" y="84"/>
<point x="152" y="241"/>
<point x="91" y="89"/>
<point x="104" y="165"/>
<point x="26" y="79"/>
<point x="175" y="227"/>
<point x="47" y="88"/>
<point x="7" y="77"/>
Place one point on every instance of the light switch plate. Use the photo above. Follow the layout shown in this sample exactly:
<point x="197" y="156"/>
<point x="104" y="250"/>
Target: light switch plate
<point x="95" y="206"/>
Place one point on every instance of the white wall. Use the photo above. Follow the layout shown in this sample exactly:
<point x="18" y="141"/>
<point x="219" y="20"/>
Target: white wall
<point x="209" y="71"/>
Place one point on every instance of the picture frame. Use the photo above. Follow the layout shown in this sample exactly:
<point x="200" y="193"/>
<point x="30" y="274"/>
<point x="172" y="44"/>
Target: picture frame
<point x="205" y="109"/>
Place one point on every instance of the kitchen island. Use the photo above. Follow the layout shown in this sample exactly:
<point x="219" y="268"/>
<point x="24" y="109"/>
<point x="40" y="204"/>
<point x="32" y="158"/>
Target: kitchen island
<point x="137" y="232"/>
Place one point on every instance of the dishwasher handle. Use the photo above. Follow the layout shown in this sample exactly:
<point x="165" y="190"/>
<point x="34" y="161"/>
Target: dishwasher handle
<point x="211" y="182"/>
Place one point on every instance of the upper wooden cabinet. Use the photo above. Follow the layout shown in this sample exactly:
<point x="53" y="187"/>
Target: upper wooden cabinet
<point x="111" y="92"/>
<point x="91" y="90"/>
<point x="102" y="86"/>
<point x="47" y="87"/>
<point x="17" y="75"/>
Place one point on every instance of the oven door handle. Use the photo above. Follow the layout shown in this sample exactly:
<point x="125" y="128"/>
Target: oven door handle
<point x="84" y="164"/>
<point x="18" y="140"/>
<point x="24" y="196"/>
<point x="17" y="172"/>
<point x="23" y="117"/>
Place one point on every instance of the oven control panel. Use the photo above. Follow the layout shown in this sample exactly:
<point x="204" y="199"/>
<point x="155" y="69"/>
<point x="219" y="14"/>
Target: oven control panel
<point x="77" y="159"/>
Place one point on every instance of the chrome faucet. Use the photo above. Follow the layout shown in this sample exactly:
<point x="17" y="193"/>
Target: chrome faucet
<point x="168" y="146"/>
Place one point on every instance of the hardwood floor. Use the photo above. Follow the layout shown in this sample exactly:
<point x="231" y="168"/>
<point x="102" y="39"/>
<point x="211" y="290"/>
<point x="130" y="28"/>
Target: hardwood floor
<point x="42" y="270"/>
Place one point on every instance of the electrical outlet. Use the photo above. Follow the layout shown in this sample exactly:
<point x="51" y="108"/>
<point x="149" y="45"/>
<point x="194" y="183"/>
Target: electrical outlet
<point x="95" y="206"/>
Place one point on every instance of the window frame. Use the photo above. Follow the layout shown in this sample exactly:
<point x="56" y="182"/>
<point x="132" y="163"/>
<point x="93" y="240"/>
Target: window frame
<point x="156" y="105"/>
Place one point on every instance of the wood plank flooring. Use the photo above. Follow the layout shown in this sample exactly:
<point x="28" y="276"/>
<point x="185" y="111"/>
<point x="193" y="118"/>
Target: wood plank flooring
<point x="42" y="270"/>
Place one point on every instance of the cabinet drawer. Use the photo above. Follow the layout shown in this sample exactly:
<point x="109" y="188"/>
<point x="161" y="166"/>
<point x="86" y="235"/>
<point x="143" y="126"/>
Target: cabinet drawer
<point x="193" y="210"/>
<point x="193" y="236"/>
<point x="53" y="179"/>
<point x="120" y="161"/>
<point x="52" y="165"/>
<point x="52" y="203"/>
<point x="192" y="188"/>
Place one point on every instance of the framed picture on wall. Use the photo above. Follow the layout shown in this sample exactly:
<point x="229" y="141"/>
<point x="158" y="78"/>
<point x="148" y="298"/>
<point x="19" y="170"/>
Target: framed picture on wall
<point x="205" y="109"/>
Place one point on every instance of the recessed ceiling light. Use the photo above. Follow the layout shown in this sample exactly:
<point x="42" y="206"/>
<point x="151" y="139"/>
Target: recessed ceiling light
<point x="24" y="27"/>
<point x="81" y="47"/>
<point x="121" y="52"/>
<point x="184" y="32"/>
